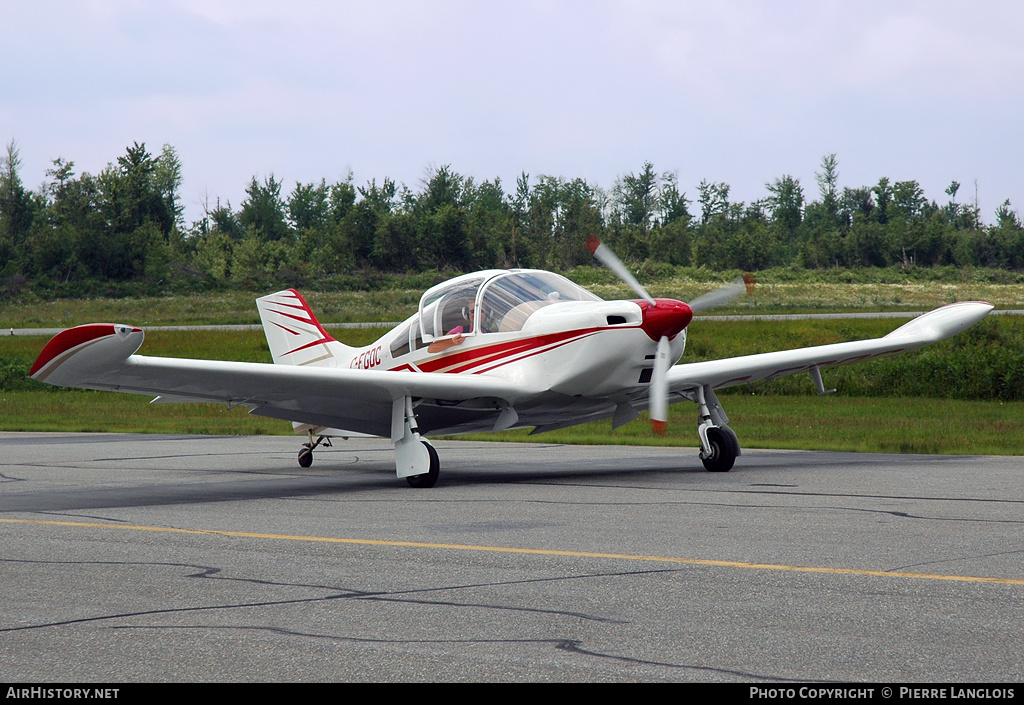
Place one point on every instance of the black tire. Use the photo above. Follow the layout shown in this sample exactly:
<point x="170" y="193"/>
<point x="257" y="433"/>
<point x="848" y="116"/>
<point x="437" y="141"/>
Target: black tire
<point x="428" y="478"/>
<point x="305" y="457"/>
<point x="724" y="450"/>
<point x="733" y="440"/>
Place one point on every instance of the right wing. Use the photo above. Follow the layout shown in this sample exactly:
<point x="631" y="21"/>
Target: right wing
<point x="929" y="328"/>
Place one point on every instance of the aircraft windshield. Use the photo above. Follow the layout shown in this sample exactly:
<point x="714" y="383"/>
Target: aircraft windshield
<point x="507" y="301"/>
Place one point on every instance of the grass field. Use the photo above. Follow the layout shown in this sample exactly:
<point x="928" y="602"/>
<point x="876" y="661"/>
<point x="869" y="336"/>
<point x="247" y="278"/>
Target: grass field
<point x="779" y="291"/>
<point x="801" y="422"/>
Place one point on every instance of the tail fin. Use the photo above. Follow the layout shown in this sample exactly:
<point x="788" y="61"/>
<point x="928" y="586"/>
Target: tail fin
<point x="294" y="335"/>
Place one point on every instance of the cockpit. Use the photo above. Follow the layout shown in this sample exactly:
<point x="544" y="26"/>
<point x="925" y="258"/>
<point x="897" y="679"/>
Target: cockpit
<point x="494" y="301"/>
<point x="507" y="301"/>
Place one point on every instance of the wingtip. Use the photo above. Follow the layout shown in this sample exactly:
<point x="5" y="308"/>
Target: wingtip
<point x="72" y="341"/>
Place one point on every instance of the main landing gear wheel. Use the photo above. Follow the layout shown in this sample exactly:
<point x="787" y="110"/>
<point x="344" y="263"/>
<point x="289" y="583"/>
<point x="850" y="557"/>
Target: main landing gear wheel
<point x="428" y="478"/>
<point x="724" y="449"/>
<point x="306" y="452"/>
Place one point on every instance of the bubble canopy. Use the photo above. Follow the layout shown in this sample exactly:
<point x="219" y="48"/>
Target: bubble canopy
<point x="495" y="301"/>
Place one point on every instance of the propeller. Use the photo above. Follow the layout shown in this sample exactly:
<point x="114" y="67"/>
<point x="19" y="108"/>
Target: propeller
<point x="719" y="297"/>
<point x="672" y="316"/>
<point x="659" y="388"/>
<point x="609" y="259"/>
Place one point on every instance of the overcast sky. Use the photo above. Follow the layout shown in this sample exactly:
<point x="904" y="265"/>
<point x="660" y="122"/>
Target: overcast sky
<point x="733" y="91"/>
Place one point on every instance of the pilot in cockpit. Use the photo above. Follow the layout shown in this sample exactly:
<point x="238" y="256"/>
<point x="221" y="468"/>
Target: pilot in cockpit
<point x="467" y="310"/>
<point x="458" y="320"/>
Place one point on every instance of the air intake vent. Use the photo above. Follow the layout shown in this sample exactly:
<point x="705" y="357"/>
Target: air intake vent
<point x="616" y="320"/>
<point x="645" y="375"/>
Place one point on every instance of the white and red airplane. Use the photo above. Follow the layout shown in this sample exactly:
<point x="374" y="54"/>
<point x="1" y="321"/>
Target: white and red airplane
<point x="486" y="351"/>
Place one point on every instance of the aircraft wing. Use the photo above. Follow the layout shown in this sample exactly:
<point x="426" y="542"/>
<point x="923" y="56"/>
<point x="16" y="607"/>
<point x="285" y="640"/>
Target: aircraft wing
<point x="929" y="328"/>
<point x="101" y="356"/>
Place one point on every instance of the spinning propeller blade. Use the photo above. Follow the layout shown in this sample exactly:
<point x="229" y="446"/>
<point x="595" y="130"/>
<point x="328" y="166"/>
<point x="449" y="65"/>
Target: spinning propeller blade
<point x="719" y="297"/>
<point x="610" y="260"/>
<point x="659" y="388"/>
<point x="658" y="399"/>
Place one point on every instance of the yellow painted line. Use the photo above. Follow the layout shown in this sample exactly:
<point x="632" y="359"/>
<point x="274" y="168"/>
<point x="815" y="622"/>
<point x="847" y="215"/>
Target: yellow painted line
<point x="527" y="551"/>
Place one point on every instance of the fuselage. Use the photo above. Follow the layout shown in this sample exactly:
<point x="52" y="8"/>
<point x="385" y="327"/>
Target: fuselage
<point x="567" y="349"/>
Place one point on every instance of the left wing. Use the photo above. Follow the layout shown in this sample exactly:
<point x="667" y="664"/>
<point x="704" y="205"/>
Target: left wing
<point x="929" y="328"/>
<point x="101" y="356"/>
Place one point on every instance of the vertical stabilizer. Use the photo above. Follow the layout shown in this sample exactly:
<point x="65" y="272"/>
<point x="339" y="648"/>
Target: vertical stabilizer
<point x="294" y="335"/>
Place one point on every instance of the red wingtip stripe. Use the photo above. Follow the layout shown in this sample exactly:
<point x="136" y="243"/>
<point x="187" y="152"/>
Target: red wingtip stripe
<point x="69" y="339"/>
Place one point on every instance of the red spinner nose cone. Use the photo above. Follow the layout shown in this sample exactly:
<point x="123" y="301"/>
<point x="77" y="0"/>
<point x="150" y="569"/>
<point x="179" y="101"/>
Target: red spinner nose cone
<point x="666" y="319"/>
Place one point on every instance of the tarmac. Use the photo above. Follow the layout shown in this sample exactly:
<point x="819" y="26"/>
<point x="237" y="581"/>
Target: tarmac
<point x="148" y="558"/>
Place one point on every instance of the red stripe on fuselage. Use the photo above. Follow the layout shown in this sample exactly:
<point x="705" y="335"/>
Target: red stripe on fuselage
<point x="466" y="360"/>
<point x="535" y="352"/>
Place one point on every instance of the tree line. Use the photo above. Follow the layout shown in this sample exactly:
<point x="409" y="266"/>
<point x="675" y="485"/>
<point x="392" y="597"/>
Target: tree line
<point x="124" y="227"/>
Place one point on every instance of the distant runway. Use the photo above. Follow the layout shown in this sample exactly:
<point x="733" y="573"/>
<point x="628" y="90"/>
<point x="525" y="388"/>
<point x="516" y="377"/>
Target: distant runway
<point x="202" y="558"/>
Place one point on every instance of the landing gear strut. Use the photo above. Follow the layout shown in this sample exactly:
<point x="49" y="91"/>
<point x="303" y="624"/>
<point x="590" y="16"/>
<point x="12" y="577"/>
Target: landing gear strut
<point x="306" y="452"/>
<point x="719" y="445"/>
<point x="415" y="459"/>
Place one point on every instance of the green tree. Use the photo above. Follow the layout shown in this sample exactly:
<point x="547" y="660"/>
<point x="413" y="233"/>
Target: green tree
<point x="167" y="183"/>
<point x="673" y="204"/>
<point x="856" y="202"/>
<point x="395" y="243"/>
<point x="342" y="199"/>
<point x="579" y="217"/>
<point x="16" y="208"/>
<point x="263" y="210"/>
<point x="953" y="208"/>
<point x="309" y="206"/>
<point x="786" y="203"/>
<point x="1006" y="217"/>
<point x="636" y="198"/>
<point x="1008" y="237"/>
<point x="444" y="242"/>
<point x="543" y="211"/>
<point x="828" y="184"/>
<point x="908" y="202"/>
<point x="135" y="193"/>
<point x="62" y="174"/>
<point x="489" y="224"/>
<point x="713" y="199"/>
<point x="360" y="225"/>
<point x="673" y="242"/>
<point x="883" y="200"/>
<point x="444" y="187"/>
